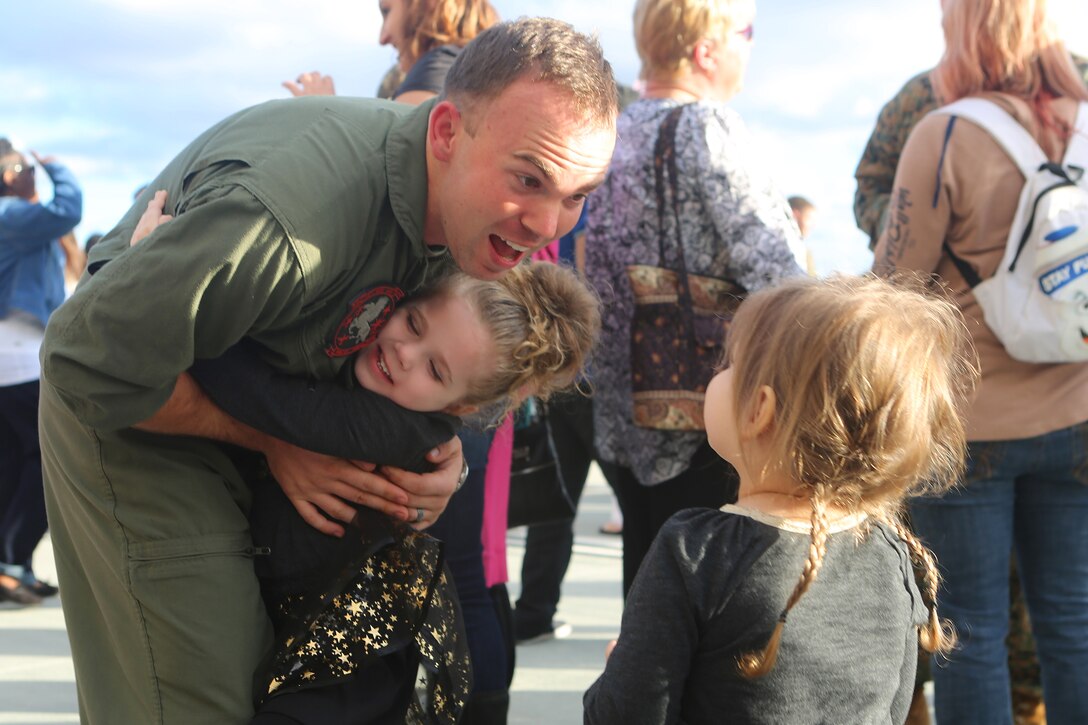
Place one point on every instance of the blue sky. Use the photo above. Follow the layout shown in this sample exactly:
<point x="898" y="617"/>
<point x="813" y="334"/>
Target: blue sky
<point x="114" y="88"/>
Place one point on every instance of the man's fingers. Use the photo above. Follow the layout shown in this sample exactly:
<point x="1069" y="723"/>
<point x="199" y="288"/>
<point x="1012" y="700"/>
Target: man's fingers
<point x="364" y="466"/>
<point x="311" y="515"/>
<point x="365" y="483"/>
<point x="444" y="452"/>
<point x="396" y="511"/>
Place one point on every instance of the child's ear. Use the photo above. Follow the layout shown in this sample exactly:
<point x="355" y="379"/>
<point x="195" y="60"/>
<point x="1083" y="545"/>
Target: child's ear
<point x="760" y="416"/>
<point x="461" y="410"/>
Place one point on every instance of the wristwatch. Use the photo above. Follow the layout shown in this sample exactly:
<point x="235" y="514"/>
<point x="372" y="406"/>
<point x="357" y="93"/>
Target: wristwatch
<point x="464" y="474"/>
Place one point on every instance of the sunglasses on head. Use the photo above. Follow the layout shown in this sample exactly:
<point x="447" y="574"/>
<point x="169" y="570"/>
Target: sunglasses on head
<point x="747" y="32"/>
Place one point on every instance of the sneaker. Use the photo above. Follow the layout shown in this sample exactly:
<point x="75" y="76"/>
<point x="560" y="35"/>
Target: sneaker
<point x="42" y="589"/>
<point x="558" y="630"/>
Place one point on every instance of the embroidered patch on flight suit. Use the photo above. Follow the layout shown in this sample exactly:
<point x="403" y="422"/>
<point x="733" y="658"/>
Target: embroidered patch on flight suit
<point x="366" y="315"/>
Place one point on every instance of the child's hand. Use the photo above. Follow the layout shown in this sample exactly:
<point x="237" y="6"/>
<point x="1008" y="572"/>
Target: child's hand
<point x="151" y="219"/>
<point x="311" y="84"/>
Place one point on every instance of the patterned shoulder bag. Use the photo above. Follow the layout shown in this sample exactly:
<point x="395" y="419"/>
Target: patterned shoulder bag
<point x="679" y="324"/>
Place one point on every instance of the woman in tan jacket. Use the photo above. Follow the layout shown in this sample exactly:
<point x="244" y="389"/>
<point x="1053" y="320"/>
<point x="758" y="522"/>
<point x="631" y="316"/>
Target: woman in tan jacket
<point x="956" y="190"/>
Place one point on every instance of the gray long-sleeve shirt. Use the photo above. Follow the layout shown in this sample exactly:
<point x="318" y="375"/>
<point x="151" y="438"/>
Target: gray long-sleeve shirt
<point x="711" y="589"/>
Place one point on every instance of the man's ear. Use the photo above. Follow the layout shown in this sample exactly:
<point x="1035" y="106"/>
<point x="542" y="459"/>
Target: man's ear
<point x="443" y="127"/>
<point x="759" y="417"/>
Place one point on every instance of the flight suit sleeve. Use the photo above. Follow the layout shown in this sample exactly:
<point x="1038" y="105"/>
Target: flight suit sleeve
<point x="222" y="269"/>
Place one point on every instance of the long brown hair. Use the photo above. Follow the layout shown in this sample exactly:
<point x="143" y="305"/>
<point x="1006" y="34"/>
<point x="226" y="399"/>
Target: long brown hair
<point x="1010" y="46"/>
<point x="431" y="23"/>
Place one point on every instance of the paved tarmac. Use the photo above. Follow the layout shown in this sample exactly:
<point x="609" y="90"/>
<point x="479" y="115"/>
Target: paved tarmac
<point x="37" y="683"/>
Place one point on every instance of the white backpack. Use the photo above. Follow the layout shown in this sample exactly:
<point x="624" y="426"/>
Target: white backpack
<point x="1037" y="300"/>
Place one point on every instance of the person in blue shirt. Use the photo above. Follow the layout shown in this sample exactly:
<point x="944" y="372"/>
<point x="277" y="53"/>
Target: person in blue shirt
<point x="31" y="287"/>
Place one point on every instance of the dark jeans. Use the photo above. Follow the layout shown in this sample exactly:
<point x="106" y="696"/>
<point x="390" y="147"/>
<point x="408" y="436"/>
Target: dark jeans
<point x="22" y="500"/>
<point x="459" y="528"/>
<point x="1032" y="495"/>
<point x="709" y="482"/>
<point x="548" y="546"/>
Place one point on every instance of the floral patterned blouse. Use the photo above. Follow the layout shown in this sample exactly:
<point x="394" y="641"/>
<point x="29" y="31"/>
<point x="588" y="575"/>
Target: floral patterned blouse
<point x="735" y="224"/>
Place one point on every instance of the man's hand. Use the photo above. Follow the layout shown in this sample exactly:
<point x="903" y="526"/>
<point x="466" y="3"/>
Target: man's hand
<point x="315" y="482"/>
<point x="430" y="492"/>
<point x="311" y="84"/>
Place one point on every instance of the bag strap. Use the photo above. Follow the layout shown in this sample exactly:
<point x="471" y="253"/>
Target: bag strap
<point x="665" y="161"/>
<point x="1076" y="153"/>
<point x="1025" y="152"/>
<point x="1006" y="130"/>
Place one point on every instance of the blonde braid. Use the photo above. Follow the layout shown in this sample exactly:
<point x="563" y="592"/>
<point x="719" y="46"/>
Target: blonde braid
<point x="936" y="635"/>
<point x="758" y="664"/>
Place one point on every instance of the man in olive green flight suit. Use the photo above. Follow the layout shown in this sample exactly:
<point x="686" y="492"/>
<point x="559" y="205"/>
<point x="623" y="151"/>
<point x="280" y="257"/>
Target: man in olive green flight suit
<point x="286" y="214"/>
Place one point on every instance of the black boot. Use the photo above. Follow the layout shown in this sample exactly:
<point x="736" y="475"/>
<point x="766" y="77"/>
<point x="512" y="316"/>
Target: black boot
<point x="487" y="708"/>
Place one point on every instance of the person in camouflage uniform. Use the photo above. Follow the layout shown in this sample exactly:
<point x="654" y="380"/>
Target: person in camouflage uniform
<point x="876" y="170"/>
<point x="875" y="176"/>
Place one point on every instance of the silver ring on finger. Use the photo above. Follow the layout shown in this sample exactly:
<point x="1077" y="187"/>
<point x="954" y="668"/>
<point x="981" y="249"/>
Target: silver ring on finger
<point x="419" y="515"/>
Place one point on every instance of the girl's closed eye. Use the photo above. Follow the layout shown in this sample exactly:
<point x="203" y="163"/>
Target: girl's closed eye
<point x="413" y="325"/>
<point x="435" y="373"/>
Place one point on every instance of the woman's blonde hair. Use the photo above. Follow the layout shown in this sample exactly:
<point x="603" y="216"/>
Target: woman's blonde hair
<point x="870" y="380"/>
<point x="431" y="23"/>
<point x="666" y="32"/>
<point x="1005" y="45"/>
<point x="543" y="319"/>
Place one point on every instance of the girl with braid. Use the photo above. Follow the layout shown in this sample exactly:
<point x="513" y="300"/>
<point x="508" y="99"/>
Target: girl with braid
<point x="799" y="603"/>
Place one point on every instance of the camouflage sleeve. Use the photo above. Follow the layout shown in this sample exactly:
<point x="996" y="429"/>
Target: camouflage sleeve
<point x="876" y="170"/>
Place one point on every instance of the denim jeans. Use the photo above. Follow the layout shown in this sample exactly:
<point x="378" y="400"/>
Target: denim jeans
<point x="1029" y="494"/>
<point x="459" y="529"/>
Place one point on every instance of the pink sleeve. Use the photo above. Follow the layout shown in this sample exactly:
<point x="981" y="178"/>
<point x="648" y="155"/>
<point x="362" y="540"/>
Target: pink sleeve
<point x="547" y="253"/>
<point x="496" y="500"/>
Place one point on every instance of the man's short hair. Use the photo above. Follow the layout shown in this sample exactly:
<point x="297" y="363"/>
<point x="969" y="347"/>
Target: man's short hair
<point x="537" y="49"/>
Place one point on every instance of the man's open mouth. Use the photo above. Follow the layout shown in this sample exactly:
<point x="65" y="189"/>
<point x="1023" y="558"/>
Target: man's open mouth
<point x="507" y="249"/>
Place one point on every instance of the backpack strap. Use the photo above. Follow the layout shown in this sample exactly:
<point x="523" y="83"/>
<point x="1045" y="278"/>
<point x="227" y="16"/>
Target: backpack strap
<point x="1006" y="130"/>
<point x="1076" y="153"/>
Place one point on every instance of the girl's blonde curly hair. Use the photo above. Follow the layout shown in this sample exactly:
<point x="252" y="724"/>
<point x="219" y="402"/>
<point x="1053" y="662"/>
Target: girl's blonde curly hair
<point x="543" y="321"/>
